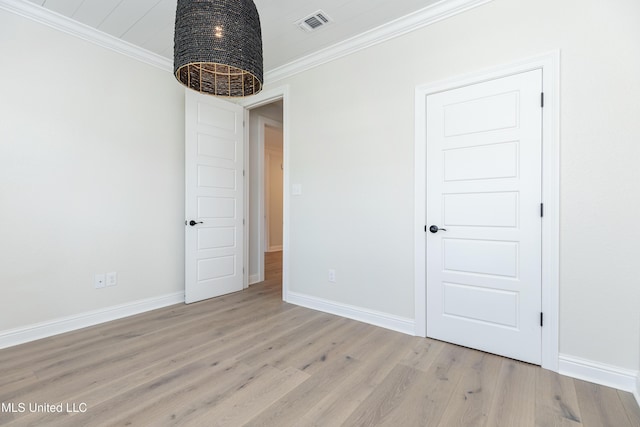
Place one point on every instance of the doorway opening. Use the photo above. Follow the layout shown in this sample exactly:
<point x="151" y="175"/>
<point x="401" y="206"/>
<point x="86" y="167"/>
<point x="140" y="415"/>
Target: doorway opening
<point x="266" y="192"/>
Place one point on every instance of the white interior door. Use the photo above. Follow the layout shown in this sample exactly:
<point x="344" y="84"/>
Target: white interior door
<point x="214" y="197"/>
<point x="484" y="145"/>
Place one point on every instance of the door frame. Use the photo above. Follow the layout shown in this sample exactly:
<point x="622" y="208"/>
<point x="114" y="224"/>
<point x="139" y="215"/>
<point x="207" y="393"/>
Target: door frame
<point x="549" y="63"/>
<point x="254" y="101"/>
<point x="262" y="199"/>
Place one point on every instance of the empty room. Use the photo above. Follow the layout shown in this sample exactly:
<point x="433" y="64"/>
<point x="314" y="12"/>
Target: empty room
<point x="319" y="213"/>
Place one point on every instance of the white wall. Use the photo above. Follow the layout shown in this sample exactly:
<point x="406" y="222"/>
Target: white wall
<point x="91" y="176"/>
<point x="351" y="149"/>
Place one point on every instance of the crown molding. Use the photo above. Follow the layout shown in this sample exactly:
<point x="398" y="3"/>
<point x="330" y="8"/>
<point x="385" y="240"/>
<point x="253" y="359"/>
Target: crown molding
<point x="436" y="12"/>
<point x="67" y="25"/>
<point x="431" y="14"/>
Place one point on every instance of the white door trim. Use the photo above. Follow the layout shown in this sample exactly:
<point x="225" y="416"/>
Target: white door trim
<point x="263" y="98"/>
<point x="550" y="65"/>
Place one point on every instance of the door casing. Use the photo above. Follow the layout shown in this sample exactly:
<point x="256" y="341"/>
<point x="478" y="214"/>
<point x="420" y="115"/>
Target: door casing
<point x="254" y="101"/>
<point x="549" y="63"/>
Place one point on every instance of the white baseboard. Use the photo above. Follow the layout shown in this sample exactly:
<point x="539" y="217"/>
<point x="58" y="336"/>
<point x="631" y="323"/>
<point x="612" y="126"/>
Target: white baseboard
<point x="254" y="278"/>
<point x="600" y="373"/>
<point x="384" y="320"/>
<point x="37" y="331"/>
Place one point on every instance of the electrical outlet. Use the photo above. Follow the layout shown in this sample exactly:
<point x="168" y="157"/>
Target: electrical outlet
<point x="332" y="275"/>
<point x="112" y="279"/>
<point x="98" y="281"/>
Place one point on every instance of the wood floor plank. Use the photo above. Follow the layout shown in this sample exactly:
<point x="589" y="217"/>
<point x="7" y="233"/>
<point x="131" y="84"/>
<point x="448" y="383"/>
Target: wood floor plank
<point x="16" y="378"/>
<point x="216" y="400"/>
<point x="383" y="405"/>
<point x="423" y="353"/>
<point x="292" y="407"/>
<point x="631" y="406"/>
<point x="600" y="406"/>
<point x="276" y="350"/>
<point x="377" y="337"/>
<point x="471" y="400"/>
<point x="7" y="416"/>
<point x="244" y="404"/>
<point x="556" y="401"/>
<point x="377" y="361"/>
<point x="515" y="397"/>
<point x="410" y="397"/>
<point x="311" y="354"/>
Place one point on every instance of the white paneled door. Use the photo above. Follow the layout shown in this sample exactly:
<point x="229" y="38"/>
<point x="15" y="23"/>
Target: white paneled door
<point x="214" y="197"/>
<point x="483" y="243"/>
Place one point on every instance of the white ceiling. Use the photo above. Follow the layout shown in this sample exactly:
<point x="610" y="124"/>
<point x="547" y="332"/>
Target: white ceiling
<point x="149" y="23"/>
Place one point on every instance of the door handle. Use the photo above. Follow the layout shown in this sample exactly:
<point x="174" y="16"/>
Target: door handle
<point x="192" y="222"/>
<point x="435" y="229"/>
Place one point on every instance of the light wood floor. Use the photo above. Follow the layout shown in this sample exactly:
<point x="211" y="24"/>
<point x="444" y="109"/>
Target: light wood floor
<point x="250" y="359"/>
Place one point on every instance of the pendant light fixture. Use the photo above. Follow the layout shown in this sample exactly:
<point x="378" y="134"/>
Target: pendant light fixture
<point x="218" y="47"/>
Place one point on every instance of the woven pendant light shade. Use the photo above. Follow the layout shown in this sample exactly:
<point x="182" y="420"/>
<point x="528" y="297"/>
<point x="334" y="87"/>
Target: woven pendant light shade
<point x="218" y="47"/>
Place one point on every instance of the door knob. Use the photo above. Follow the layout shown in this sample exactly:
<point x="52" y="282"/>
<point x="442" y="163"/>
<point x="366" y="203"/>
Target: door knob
<point x="192" y="222"/>
<point x="435" y="229"/>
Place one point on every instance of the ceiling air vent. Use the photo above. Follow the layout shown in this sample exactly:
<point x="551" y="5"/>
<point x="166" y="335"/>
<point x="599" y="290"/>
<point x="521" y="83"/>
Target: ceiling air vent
<point x="314" y="21"/>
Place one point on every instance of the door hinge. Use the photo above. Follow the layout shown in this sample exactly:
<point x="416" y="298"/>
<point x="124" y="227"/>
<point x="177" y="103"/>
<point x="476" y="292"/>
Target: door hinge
<point x="541" y="210"/>
<point x="242" y="221"/>
<point x="541" y="99"/>
<point x="242" y="172"/>
<point x="541" y="319"/>
<point x="425" y="228"/>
